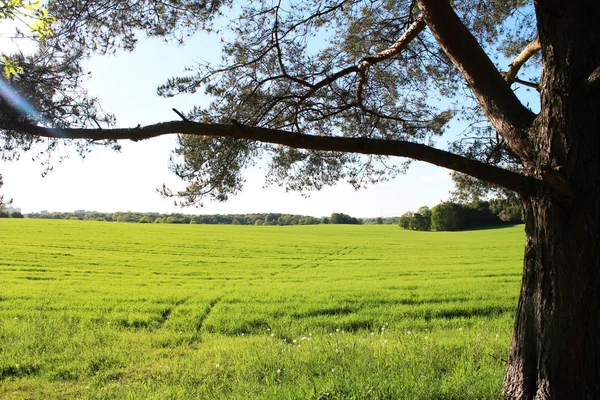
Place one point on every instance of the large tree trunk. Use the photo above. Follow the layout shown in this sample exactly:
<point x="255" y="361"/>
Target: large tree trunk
<point x="555" y="352"/>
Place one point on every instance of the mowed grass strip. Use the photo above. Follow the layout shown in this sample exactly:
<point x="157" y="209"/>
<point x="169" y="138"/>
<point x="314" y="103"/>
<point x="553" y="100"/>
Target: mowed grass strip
<point x="109" y="310"/>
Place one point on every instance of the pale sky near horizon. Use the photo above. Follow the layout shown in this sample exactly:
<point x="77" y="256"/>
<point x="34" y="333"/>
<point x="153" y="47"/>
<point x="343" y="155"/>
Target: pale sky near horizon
<point x="108" y="181"/>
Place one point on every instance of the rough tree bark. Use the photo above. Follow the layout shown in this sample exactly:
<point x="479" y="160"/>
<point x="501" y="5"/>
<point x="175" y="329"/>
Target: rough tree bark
<point x="555" y="352"/>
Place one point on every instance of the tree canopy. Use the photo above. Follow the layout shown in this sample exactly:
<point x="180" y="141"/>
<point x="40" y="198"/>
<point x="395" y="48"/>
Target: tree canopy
<point x="309" y="71"/>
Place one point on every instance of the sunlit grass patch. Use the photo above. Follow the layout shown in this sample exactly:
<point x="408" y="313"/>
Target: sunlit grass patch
<point x="97" y="310"/>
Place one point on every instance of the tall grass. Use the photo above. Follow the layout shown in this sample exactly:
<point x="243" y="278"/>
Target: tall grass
<point x="106" y="310"/>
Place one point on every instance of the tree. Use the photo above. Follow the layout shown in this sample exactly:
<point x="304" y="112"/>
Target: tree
<point x="447" y="217"/>
<point x="478" y="214"/>
<point x="425" y="213"/>
<point x="405" y="220"/>
<point x="369" y="88"/>
<point x="16" y="214"/>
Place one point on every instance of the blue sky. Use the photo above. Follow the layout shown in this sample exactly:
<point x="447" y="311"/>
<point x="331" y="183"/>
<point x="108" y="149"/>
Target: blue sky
<point x="127" y="181"/>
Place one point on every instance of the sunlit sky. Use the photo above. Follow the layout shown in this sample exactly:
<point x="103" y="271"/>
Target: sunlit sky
<point x="127" y="181"/>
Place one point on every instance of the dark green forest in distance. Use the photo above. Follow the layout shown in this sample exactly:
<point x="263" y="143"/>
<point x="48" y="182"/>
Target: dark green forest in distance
<point x="446" y="216"/>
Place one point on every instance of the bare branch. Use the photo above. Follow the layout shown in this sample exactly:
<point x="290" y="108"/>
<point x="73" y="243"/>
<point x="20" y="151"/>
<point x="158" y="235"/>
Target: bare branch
<point x="534" y="85"/>
<point x="513" y="181"/>
<point x="500" y="105"/>
<point x="533" y="47"/>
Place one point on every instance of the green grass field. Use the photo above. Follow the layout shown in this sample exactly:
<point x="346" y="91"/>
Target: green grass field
<point x="100" y="310"/>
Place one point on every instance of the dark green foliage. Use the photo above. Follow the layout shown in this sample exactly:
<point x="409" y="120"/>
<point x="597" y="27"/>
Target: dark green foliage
<point x="451" y="216"/>
<point x="478" y="214"/>
<point x="177" y="218"/>
<point x="510" y="210"/>
<point x="16" y="214"/>
<point x="421" y="220"/>
<point x="340" y="218"/>
<point x="405" y="219"/>
<point x="447" y="217"/>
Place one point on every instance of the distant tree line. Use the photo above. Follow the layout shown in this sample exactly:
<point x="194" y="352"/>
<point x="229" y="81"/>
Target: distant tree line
<point x="4" y="213"/>
<point x="449" y="216"/>
<point x="215" y="219"/>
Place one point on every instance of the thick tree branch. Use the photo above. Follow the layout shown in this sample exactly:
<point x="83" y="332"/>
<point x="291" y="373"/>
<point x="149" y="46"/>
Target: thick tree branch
<point x="513" y="181"/>
<point x="413" y="30"/>
<point x="533" y="47"/>
<point x="504" y="110"/>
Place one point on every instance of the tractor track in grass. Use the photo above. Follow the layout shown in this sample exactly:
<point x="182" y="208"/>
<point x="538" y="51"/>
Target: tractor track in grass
<point x="206" y="314"/>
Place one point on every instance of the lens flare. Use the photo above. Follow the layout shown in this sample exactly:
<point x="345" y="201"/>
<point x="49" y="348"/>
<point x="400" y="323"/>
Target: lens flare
<point x="18" y="102"/>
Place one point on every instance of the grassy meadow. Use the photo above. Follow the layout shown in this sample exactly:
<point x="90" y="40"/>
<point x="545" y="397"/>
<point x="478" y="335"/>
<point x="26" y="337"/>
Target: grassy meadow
<point x="98" y="310"/>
